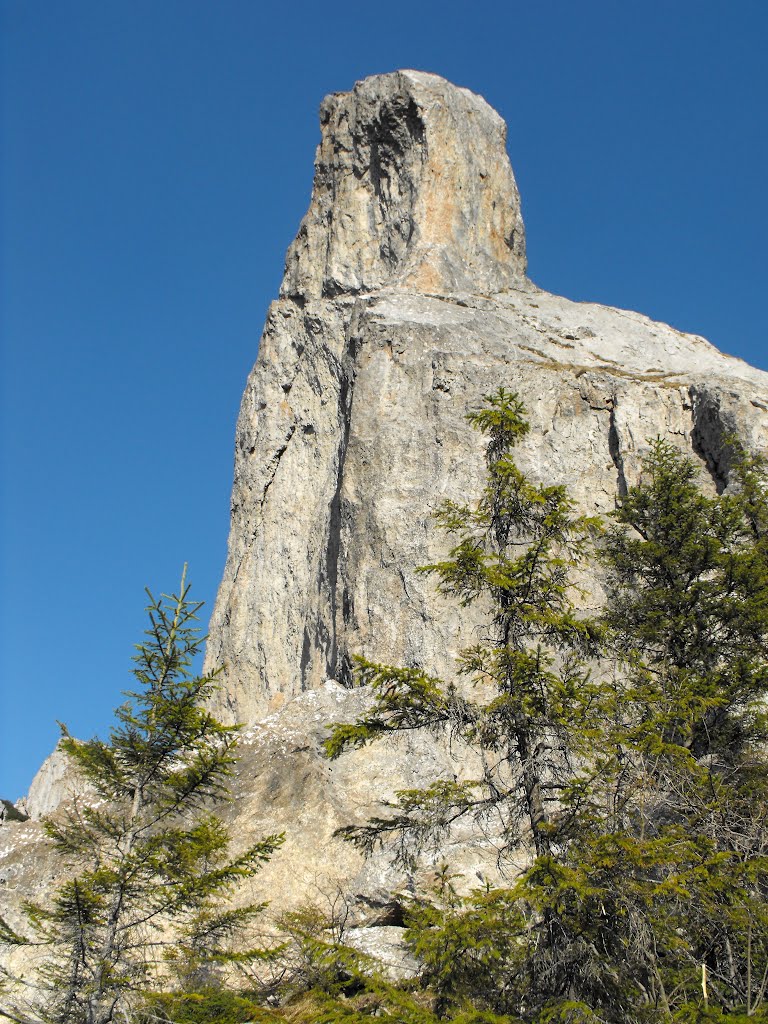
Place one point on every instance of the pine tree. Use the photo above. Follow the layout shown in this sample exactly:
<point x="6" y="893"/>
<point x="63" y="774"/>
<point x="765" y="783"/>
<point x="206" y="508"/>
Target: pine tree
<point x="516" y="548"/>
<point x="641" y="788"/>
<point x="687" y="613"/>
<point x="149" y="863"/>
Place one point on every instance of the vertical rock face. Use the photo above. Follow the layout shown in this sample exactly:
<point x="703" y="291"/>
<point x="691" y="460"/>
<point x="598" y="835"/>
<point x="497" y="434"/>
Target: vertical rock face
<point x="404" y="302"/>
<point x="413" y="189"/>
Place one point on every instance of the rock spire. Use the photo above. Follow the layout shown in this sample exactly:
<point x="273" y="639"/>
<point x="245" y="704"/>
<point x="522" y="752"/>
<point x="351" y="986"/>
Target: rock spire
<point x="403" y="304"/>
<point x="413" y="190"/>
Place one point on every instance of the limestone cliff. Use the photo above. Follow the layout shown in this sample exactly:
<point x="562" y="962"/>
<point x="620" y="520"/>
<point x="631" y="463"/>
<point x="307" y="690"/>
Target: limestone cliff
<point x="404" y="302"/>
<point x="412" y="189"/>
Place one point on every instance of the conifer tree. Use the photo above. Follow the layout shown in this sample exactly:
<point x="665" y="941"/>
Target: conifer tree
<point x="528" y="708"/>
<point x="662" y="892"/>
<point x="517" y="548"/>
<point x="687" y="612"/>
<point x="148" y="859"/>
<point x="641" y="788"/>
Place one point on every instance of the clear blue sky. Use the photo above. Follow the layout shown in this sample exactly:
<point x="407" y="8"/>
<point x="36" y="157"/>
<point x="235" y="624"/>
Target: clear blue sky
<point x="156" y="160"/>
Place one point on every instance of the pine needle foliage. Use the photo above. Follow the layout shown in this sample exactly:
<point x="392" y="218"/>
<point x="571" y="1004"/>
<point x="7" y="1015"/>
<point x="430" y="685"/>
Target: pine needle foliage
<point x="212" y="1007"/>
<point x="687" y="615"/>
<point x="628" y="755"/>
<point x="516" y="550"/>
<point x="150" y="868"/>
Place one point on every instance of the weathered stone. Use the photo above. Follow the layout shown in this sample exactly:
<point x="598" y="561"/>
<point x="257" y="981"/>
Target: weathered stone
<point x="404" y="303"/>
<point x="12" y="812"/>
<point x="352" y="425"/>
<point x="52" y="785"/>
<point x="353" y="428"/>
<point x="384" y="944"/>
<point x="412" y="189"/>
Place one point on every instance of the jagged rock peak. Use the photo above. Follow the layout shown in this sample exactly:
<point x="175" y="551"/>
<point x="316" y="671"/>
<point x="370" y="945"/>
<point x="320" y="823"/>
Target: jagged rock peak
<point x="413" y="190"/>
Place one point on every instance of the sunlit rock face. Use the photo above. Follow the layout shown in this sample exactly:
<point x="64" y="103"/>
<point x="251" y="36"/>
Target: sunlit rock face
<point x="413" y="189"/>
<point x="404" y="302"/>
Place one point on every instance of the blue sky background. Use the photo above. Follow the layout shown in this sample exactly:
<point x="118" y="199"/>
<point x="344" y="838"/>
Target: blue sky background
<point x="156" y="160"/>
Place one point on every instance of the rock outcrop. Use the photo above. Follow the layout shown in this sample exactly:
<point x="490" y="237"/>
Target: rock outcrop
<point x="404" y="302"/>
<point x="413" y="189"/>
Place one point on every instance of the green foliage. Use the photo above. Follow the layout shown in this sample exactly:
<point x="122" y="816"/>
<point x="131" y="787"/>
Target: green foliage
<point x="629" y="753"/>
<point x="149" y="861"/>
<point x="688" y="605"/>
<point x="214" y="1007"/>
<point x="314" y="956"/>
<point x="516" y="547"/>
<point x="467" y="945"/>
<point x="379" y="999"/>
<point x="686" y="613"/>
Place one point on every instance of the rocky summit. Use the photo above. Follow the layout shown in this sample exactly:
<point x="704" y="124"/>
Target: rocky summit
<point x="404" y="302"/>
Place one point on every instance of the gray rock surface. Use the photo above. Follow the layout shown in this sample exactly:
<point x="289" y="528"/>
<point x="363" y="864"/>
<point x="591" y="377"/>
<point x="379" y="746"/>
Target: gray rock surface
<point x="352" y="425"/>
<point x="404" y="302"/>
<point x="52" y="785"/>
<point x="413" y="188"/>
